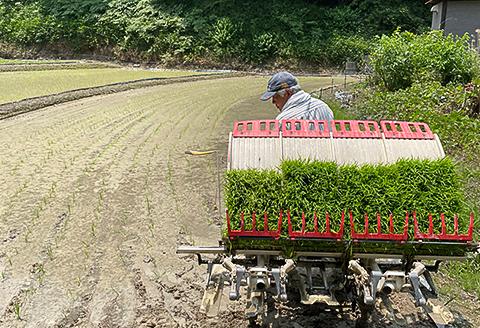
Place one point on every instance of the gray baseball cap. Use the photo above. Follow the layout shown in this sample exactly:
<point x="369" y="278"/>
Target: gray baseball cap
<point x="279" y="81"/>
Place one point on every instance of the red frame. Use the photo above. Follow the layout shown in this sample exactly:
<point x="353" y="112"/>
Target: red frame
<point x="352" y="129"/>
<point x="241" y="129"/>
<point x="406" y="131"/>
<point x="443" y="234"/>
<point x="316" y="234"/>
<point x="379" y="235"/>
<point x="328" y="234"/>
<point x="346" y="129"/>
<point x="254" y="232"/>
<point x="302" y="129"/>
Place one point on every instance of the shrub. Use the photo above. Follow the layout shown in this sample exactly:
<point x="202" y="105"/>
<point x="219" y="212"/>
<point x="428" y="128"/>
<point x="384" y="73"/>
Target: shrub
<point x="339" y="49"/>
<point x="27" y="25"/>
<point x="264" y="46"/>
<point x="444" y="108"/>
<point x="223" y="37"/>
<point x="403" y="58"/>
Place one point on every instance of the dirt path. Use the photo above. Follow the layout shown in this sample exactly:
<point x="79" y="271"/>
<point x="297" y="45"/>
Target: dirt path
<point x="97" y="193"/>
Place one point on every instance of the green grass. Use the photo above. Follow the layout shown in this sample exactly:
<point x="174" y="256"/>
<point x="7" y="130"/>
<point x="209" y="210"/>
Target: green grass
<point x="338" y="112"/>
<point x="20" y="85"/>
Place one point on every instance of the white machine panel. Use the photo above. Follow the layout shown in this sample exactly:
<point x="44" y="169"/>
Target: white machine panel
<point x="358" y="151"/>
<point x="255" y="153"/>
<point x="268" y="153"/>
<point x="410" y="148"/>
<point x="319" y="149"/>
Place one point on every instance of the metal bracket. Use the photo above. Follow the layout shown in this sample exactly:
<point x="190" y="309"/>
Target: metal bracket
<point x="375" y="278"/>
<point x="234" y="294"/>
<point x="417" y="270"/>
<point x="209" y="272"/>
<point x="279" y="284"/>
<point x="362" y="280"/>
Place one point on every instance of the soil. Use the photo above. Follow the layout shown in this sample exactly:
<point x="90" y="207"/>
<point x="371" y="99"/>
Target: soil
<point x="98" y="192"/>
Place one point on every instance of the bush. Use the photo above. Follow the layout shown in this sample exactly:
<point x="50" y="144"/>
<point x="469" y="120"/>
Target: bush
<point x="404" y="58"/>
<point x="339" y="49"/>
<point x="223" y="36"/>
<point x="445" y="108"/>
<point x="139" y="27"/>
<point x="26" y="25"/>
<point x="264" y="47"/>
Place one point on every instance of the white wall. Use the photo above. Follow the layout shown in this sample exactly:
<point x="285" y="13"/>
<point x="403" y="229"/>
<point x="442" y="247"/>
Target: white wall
<point x="462" y="17"/>
<point x="436" y="16"/>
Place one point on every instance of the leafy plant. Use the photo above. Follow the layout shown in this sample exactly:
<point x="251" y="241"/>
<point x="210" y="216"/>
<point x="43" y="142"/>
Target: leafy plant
<point x="403" y="58"/>
<point x="445" y="108"/>
<point x="223" y="37"/>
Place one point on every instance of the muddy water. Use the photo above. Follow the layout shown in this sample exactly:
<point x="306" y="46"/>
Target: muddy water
<point x="96" y="194"/>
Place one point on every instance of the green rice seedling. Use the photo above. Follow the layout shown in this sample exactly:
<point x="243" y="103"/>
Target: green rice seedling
<point x="423" y="187"/>
<point x="50" y="252"/>
<point x="368" y="190"/>
<point x="432" y="187"/>
<point x="40" y="273"/>
<point x="93" y="228"/>
<point x="16" y="310"/>
<point x="250" y="191"/>
<point x="310" y="188"/>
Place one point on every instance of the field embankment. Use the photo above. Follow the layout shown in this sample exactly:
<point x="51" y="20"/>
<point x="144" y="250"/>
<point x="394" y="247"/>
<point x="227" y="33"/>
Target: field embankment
<point x="20" y="65"/>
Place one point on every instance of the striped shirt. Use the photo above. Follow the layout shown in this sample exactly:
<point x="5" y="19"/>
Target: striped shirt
<point x="302" y="106"/>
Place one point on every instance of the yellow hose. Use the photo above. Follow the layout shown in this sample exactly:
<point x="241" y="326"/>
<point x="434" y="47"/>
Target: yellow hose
<point x="199" y="153"/>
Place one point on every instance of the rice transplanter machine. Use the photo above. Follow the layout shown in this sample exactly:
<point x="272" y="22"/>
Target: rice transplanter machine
<point x="342" y="267"/>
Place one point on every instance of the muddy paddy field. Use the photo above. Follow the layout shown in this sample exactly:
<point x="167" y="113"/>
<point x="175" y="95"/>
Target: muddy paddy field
<point x="97" y="193"/>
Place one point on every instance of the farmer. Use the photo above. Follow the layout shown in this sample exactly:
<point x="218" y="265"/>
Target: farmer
<point x="292" y="101"/>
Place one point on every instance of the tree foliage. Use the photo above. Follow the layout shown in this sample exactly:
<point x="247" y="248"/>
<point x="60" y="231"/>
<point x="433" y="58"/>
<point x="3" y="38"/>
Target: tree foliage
<point x="322" y="32"/>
